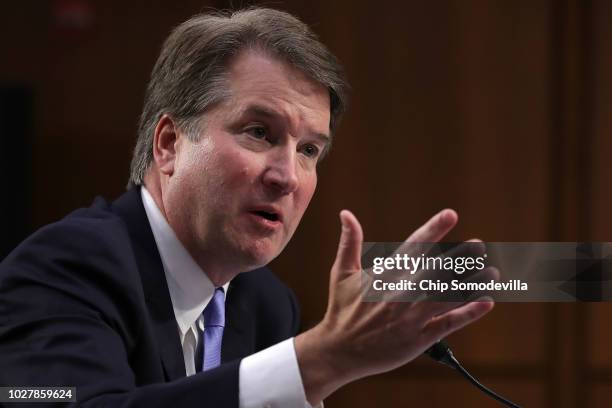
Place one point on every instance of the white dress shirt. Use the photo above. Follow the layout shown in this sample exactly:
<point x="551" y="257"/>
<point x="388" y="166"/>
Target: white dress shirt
<point x="270" y="378"/>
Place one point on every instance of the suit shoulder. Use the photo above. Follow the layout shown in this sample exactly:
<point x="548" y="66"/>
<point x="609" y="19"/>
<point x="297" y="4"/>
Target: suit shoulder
<point x="84" y="233"/>
<point x="83" y="260"/>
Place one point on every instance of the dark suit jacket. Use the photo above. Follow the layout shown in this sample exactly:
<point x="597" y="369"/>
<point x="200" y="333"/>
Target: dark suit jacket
<point x="84" y="302"/>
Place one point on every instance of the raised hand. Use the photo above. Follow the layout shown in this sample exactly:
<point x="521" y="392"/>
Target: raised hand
<point x="356" y="339"/>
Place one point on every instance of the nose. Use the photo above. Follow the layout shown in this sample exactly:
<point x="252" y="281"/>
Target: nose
<point x="281" y="171"/>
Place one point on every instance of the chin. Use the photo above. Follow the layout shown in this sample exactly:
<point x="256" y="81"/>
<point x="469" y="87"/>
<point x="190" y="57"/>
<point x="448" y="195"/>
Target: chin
<point x="259" y="254"/>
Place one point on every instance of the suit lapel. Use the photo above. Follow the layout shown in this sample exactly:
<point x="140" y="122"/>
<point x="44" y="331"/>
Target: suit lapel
<point x="130" y="208"/>
<point x="239" y="332"/>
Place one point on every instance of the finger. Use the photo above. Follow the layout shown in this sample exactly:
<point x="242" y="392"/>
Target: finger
<point x="348" y="258"/>
<point x="472" y="247"/>
<point x="436" y="228"/>
<point x="471" y="251"/>
<point x="442" y="325"/>
<point x="437" y="301"/>
<point x="428" y="309"/>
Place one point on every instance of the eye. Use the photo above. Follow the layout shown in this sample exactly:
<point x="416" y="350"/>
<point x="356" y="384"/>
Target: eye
<point x="310" y="150"/>
<point x="258" y="132"/>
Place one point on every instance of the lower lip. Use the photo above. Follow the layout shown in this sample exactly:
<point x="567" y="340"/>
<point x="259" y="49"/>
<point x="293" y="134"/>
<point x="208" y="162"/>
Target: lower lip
<point x="265" y="223"/>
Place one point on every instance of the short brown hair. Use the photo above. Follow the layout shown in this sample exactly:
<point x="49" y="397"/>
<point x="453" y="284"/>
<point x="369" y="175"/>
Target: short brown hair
<point x="189" y="75"/>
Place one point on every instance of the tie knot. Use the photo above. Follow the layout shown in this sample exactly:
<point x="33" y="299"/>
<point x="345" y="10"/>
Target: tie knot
<point x="214" y="313"/>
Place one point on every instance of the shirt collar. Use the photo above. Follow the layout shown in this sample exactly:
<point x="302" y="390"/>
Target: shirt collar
<point x="190" y="288"/>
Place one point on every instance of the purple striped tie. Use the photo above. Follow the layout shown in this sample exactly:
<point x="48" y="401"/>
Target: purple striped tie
<point x="214" y="321"/>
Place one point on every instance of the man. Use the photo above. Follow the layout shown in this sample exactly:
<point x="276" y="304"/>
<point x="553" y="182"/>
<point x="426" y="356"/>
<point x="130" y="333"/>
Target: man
<point x="146" y="301"/>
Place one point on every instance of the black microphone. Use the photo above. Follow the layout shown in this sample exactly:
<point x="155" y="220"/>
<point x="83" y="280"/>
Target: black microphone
<point x="440" y="352"/>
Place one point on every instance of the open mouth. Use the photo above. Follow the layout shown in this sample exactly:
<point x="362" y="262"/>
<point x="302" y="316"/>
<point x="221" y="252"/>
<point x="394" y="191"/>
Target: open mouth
<point x="267" y="215"/>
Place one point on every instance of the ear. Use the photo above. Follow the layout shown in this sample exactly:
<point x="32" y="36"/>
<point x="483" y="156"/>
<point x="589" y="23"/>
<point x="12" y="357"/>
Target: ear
<point x="164" y="145"/>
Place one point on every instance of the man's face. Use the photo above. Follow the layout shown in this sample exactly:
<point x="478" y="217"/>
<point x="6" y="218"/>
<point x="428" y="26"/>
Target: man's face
<point x="237" y="195"/>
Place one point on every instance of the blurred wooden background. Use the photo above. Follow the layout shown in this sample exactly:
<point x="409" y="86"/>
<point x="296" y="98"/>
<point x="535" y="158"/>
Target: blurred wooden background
<point x="499" y="109"/>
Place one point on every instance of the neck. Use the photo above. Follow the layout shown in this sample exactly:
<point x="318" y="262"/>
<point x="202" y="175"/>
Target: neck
<point x="219" y="275"/>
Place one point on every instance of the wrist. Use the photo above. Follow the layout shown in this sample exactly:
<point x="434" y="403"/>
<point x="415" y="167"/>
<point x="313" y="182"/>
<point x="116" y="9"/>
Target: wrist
<point x="319" y="363"/>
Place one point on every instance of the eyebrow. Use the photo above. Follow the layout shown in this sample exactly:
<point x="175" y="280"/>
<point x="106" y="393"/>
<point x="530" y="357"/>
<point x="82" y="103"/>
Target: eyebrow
<point x="266" y="112"/>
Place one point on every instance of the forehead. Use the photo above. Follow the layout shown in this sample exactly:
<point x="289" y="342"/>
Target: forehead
<point x="256" y="78"/>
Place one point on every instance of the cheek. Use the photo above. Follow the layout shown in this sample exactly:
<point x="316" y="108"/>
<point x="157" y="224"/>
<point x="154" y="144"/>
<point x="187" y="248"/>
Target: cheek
<point x="235" y="170"/>
<point x="309" y="186"/>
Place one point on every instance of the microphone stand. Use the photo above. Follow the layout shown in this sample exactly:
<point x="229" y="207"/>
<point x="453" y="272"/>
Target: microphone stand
<point x="442" y="353"/>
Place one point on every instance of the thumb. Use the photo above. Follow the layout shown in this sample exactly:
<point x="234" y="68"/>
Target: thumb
<point x="348" y="258"/>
